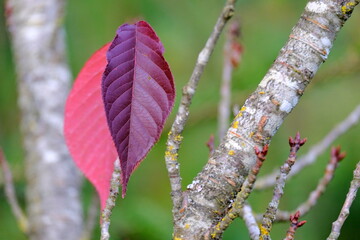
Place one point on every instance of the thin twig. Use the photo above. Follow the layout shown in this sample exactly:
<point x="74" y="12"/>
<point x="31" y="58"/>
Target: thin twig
<point x="175" y="138"/>
<point x="92" y="217"/>
<point x="21" y="219"/>
<point x="270" y="213"/>
<point x="304" y="208"/>
<point x="237" y="206"/>
<point x="294" y="225"/>
<point x="210" y="143"/>
<point x="345" y="210"/>
<point x="110" y="202"/>
<point x="232" y="56"/>
<point x="310" y="157"/>
<point x="250" y="222"/>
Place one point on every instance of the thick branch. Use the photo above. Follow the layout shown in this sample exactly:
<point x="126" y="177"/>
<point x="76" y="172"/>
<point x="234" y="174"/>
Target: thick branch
<point x="38" y="42"/>
<point x="175" y="138"/>
<point x="263" y="113"/>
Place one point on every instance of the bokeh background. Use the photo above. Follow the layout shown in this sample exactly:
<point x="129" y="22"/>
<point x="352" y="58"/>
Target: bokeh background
<point x="183" y="27"/>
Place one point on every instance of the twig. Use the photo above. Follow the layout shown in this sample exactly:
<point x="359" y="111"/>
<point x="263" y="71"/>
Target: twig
<point x="294" y="225"/>
<point x="237" y="206"/>
<point x="345" y="210"/>
<point x="175" y="138"/>
<point x="110" y="202"/>
<point x="92" y="217"/>
<point x="21" y="219"/>
<point x="304" y="208"/>
<point x="310" y="157"/>
<point x="250" y="222"/>
<point x="270" y="213"/>
<point x="232" y="56"/>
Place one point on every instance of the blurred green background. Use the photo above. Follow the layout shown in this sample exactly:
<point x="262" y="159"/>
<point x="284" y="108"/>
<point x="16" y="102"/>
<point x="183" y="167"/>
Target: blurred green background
<point x="183" y="27"/>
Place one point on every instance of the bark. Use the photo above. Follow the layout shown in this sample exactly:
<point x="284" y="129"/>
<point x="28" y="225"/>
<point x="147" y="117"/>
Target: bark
<point x="53" y="203"/>
<point x="263" y="113"/>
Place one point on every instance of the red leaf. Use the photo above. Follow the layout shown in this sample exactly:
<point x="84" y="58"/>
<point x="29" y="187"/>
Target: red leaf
<point x="86" y="132"/>
<point x="138" y="93"/>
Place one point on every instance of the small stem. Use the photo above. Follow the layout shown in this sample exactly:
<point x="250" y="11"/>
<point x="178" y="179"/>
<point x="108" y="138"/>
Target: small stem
<point x="294" y="225"/>
<point x="232" y="56"/>
<point x="110" y="202"/>
<point x="250" y="222"/>
<point x="310" y="157"/>
<point x="22" y="220"/>
<point x="304" y="208"/>
<point x="175" y="139"/>
<point x="345" y="210"/>
<point x="270" y="213"/>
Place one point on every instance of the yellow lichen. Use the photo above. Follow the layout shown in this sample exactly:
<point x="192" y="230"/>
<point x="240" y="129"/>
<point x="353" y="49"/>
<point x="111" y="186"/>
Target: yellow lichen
<point x="178" y="137"/>
<point x="348" y="7"/>
<point x="169" y="133"/>
<point x="177" y="238"/>
<point x="242" y="109"/>
<point x="251" y="134"/>
<point x="173" y="156"/>
<point x="235" y="125"/>
<point x="231" y="152"/>
<point x="187" y="226"/>
<point x="261" y="92"/>
<point x="170" y="147"/>
<point x="264" y="231"/>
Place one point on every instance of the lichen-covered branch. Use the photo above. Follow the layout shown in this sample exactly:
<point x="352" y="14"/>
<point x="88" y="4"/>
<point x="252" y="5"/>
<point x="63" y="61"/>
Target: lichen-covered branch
<point x="10" y="194"/>
<point x="53" y="182"/>
<point x="175" y="138"/>
<point x="345" y="210"/>
<point x="310" y="157"/>
<point x="262" y="114"/>
<point x="270" y="214"/>
<point x="110" y="202"/>
<point x="237" y="206"/>
<point x="304" y="208"/>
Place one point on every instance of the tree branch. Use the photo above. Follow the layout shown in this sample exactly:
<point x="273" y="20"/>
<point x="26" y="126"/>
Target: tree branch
<point x="310" y="157"/>
<point x="175" y="138"/>
<point x="270" y="214"/>
<point x="53" y="182"/>
<point x="305" y="207"/>
<point x="237" y="206"/>
<point x="22" y="220"/>
<point x="345" y="210"/>
<point x="262" y="114"/>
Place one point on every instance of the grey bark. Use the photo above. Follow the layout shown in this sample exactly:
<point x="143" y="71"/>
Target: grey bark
<point x="263" y="113"/>
<point x="53" y="203"/>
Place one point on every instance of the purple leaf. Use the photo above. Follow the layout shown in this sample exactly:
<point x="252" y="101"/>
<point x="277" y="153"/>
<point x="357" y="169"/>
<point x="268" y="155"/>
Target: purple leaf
<point x="138" y="93"/>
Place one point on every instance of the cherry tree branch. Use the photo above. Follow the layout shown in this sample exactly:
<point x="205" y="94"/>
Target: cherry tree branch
<point x="310" y="157"/>
<point x="304" y="208"/>
<point x="345" y="210"/>
<point x="262" y="114"/>
<point x="175" y="138"/>
<point x="237" y="207"/>
<point x="53" y="182"/>
<point x="110" y="202"/>
<point x="270" y="214"/>
<point x="22" y="220"/>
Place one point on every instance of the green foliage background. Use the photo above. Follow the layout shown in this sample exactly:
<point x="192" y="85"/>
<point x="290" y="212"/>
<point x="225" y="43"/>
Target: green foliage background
<point x="183" y="27"/>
